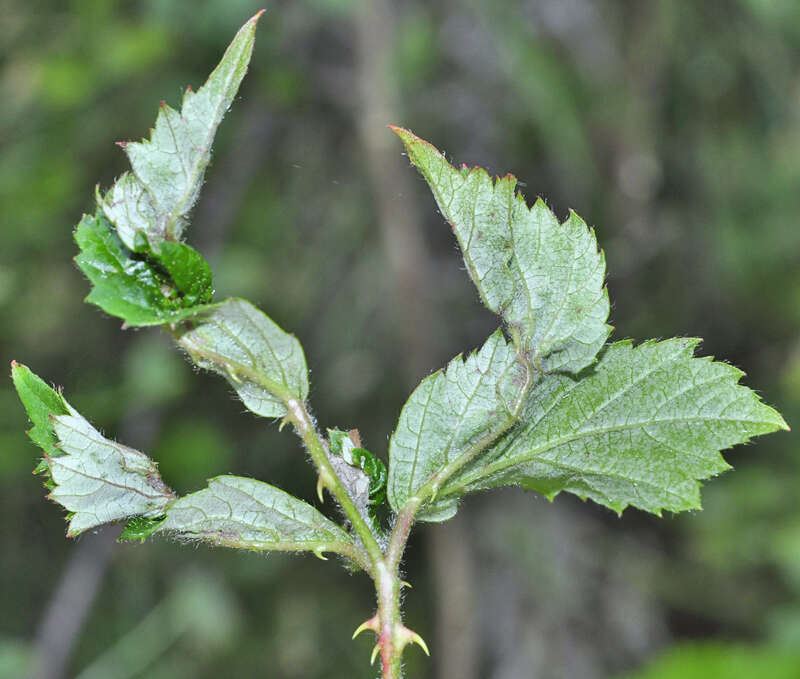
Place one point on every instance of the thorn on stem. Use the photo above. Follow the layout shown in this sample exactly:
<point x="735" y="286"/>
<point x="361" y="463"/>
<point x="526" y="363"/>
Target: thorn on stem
<point x="417" y="639"/>
<point x="374" y="655"/>
<point x="409" y="636"/>
<point x="371" y="624"/>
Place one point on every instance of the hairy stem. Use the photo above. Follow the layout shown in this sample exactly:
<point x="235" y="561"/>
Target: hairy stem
<point x="300" y="417"/>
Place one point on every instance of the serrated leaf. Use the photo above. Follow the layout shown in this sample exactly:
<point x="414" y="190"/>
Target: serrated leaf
<point x="248" y="514"/>
<point x="642" y="429"/>
<point x="96" y="480"/>
<point x="544" y="278"/>
<point x="264" y="364"/>
<point x="42" y="403"/>
<point x="450" y="412"/>
<point x="133" y="286"/>
<point x="168" y="168"/>
<point x="129" y="207"/>
<point x="99" y="481"/>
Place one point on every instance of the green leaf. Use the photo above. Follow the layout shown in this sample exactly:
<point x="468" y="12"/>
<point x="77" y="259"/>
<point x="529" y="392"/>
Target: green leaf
<point x="163" y="287"/>
<point x="544" y="278"/>
<point x="42" y="403"/>
<point x="264" y="364"/>
<point x="642" y="429"/>
<point x="346" y="447"/>
<point x="188" y="270"/>
<point x="248" y="514"/>
<point x="140" y="528"/>
<point x="168" y="168"/>
<point x="451" y="416"/>
<point x="96" y="480"/>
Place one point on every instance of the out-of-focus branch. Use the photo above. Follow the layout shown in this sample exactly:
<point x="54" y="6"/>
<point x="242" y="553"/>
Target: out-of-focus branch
<point x="223" y="198"/>
<point x="411" y="278"/>
<point x="69" y="606"/>
<point x="404" y="247"/>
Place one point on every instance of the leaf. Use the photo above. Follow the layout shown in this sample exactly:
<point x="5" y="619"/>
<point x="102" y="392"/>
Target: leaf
<point x="450" y="416"/>
<point x="164" y="287"/>
<point x="642" y="429"/>
<point x="168" y="168"/>
<point x="129" y="207"/>
<point x="188" y="270"/>
<point x="248" y="514"/>
<point x="139" y="528"/>
<point x="361" y="473"/>
<point x="99" y="481"/>
<point x="544" y="278"/>
<point x="264" y="364"/>
<point x="96" y="480"/>
<point x="42" y="403"/>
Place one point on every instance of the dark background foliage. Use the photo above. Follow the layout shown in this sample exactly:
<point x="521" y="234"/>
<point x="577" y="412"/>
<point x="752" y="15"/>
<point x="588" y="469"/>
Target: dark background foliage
<point x="672" y="127"/>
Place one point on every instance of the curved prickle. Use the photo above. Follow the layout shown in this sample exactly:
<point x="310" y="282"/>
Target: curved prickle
<point x="371" y="624"/>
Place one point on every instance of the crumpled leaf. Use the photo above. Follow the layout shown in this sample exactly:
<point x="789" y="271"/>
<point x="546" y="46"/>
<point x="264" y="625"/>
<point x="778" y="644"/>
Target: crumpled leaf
<point x="265" y="365"/>
<point x="363" y="474"/>
<point x="96" y="480"/>
<point x="471" y="401"/>
<point x="248" y="514"/>
<point x="151" y="287"/>
<point x="544" y="278"/>
<point x="642" y="429"/>
<point x="168" y="168"/>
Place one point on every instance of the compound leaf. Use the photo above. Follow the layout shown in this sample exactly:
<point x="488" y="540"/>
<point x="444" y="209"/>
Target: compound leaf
<point x="447" y="418"/>
<point x="544" y="278"/>
<point x="248" y="514"/>
<point x="168" y="168"/>
<point x="264" y="364"/>
<point x="642" y="429"/>
<point x="145" y="288"/>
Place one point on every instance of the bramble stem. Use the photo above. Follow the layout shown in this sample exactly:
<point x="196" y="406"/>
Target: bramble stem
<point x="384" y="569"/>
<point x="300" y="417"/>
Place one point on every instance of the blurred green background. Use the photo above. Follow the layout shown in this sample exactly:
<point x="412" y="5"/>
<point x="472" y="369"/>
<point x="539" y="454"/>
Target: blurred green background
<point x="672" y="127"/>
